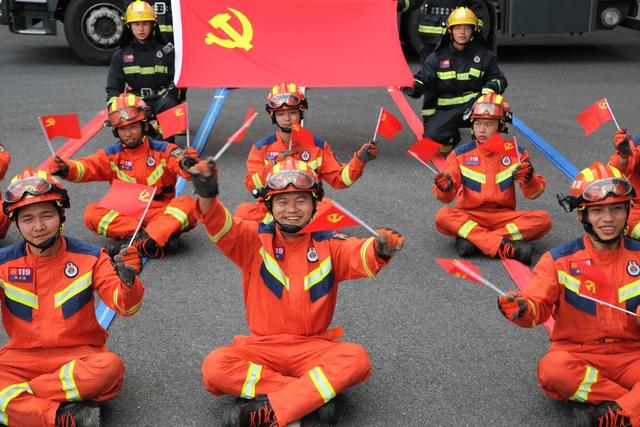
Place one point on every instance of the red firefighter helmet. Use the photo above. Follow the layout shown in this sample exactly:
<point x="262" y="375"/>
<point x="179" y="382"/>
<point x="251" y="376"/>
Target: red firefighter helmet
<point x="285" y="96"/>
<point x="600" y="184"/>
<point x="292" y="175"/>
<point x="492" y="106"/>
<point x="33" y="186"/>
<point x="126" y="109"/>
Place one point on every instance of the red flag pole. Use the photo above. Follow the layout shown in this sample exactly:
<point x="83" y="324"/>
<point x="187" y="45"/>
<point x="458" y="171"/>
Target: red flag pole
<point x="186" y="107"/>
<point x="515" y="141"/>
<point x="233" y="136"/>
<point x="375" y="133"/>
<point x="477" y="277"/>
<point x="371" y="230"/>
<point x="415" y="156"/>
<point x="142" y="218"/>
<point x="611" y="112"/>
<point x="46" y="137"/>
<point x="609" y="305"/>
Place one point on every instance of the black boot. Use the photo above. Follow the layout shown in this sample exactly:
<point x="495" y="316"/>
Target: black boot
<point x="464" y="247"/>
<point x="606" y="414"/>
<point x="147" y="247"/>
<point x="78" y="414"/>
<point x="329" y="413"/>
<point x="172" y="245"/>
<point x="516" y="249"/>
<point x="250" y="413"/>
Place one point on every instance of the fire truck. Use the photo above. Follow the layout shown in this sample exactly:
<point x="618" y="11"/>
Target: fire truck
<point x="93" y="27"/>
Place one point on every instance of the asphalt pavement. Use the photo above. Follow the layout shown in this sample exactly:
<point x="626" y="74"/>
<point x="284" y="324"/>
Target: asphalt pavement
<point x="442" y="353"/>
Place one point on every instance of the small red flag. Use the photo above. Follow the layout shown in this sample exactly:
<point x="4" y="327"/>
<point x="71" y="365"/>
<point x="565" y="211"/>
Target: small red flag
<point x="238" y="135"/>
<point x="130" y="199"/>
<point x="300" y="134"/>
<point x="468" y="270"/>
<point x="594" y="284"/>
<point x="424" y="150"/>
<point x="388" y="125"/>
<point x="497" y="144"/>
<point x="174" y="120"/>
<point x="66" y="125"/>
<point x="594" y="116"/>
<point x="333" y="218"/>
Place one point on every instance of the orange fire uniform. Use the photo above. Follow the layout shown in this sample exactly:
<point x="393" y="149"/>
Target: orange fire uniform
<point x="153" y="163"/>
<point x="595" y="350"/>
<point x="56" y="349"/>
<point x="632" y="173"/>
<point x="485" y="209"/>
<point x="5" y="159"/>
<point x="318" y="155"/>
<point x="290" y="290"/>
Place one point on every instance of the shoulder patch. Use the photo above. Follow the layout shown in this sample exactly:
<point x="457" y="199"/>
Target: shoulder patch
<point x="631" y="244"/>
<point x="177" y="152"/>
<point x="319" y="141"/>
<point x="113" y="149"/>
<point x="267" y="140"/>
<point x="319" y="236"/>
<point x="11" y="252"/>
<point x="340" y="236"/>
<point x="82" y="247"/>
<point x="158" y="145"/>
<point x="464" y="148"/>
<point x="167" y="47"/>
<point x="266" y="228"/>
<point x="567" y="249"/>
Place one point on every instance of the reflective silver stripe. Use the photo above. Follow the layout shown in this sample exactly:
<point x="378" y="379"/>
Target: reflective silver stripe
<point x="473" y="175"/>
<point x="274" y="268"/>
<point x="569" y="281"/>
<point x="430" y="29"/>
<point x="475" y="72"/>
<point x="155" y="69"/>
<point x="629" y="291"/>
<point x="20" y="295"/>
<point x="157" y="173"/>
<point x="443" y="102"/>
<point x="68" y="383"/>
<point x="363" y="255"/>
<point x="512" y="228"/>
<point x="318" y="274"/>
<point x="428" y="111"/>
<point x="322" y="384"/>
<point x="466" y="228"/>
<point x="80" y="170"/>
<point x="635" y="232"/>
<point x="315" y="164"/>
<point x="105" y="222"/>
<point x="228" y="221"/>
<point x="182" y="217"/>
<point x="121" y="175"/>
<point x="257" y="182"/>
<point x="77" y="286"/>
<point x="9" y="393"/>
<point x="253" y="376"/>
<point x="590" y="378"/>
<point x="446" y="75"/>
<point x="506" y="174"/>
<point x="345" y="176"/>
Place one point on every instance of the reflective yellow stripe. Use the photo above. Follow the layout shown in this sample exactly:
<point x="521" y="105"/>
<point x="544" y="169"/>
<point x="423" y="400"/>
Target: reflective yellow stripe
<point x="253" y="376"/>
<point x="157" y="173"/>
<point x="590" y="378"/>
<point x="274" y="268"/>
<point x="363" y="255"/>
<point x="20" y="295"/>
<point x="569" y="281"/>
<point x="68" y="383"/>
<point x="228" y="221"/>
<point x="182" y="217"/>
<point x="165" y="28"/>
<point x="106" y="221"/>
<point x="428" y="111"/>
<point x="629" y="291"/>
<point x="145" y="71"/>
<point x="512" y="228"/>
<point x="318" y="274"/>
<point x="257" y="182"/>
<point x="506" y="174"/>
<point x="475" y="72"/>
<point x="466" y="228"/>
<point x="443" y="102"/>
<point x="635" y="232"/>
<point x="473" y="175"/>
<point x="267" y="218"/>
<point x="587" y="174"/>
<point x="405" y="6"/>
<point x="80" y="169"/>
<point x="77" y="286"/>
<point x="486" y="91"/>
<point x="121" y="175"/>
<point x="9" y="393"/>
<point x="430" y="29"/>
<point x="345" y="176"/>
<point x="315" y="164"/>
<point x="322" y="384"/>
<point x="446" y="75"/>
<point x="129" y="312"/>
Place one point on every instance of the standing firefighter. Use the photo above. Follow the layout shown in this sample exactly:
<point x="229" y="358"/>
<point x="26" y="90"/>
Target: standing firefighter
<point x="485" y="215"/>
<point x="453" y="77"/>
<point x="595" y="349"/>
<point x="286" y="105"/>
<point x="55" y="366"/>
<point x="138" y="159"/>
<point x="292" y="364"/>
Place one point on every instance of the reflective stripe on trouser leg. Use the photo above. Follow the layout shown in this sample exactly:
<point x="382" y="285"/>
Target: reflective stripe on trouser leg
<point x="253" y="376"/>
<point x="512" y="228"/>
<point x="105" y="221"/>
<point x="322" y="384"/>
<point x="466" y="228"/>
<point x="590" y="378"/>
<point x="7" y="395"/>
<point x="179" y="215"/>
<point x="68" y="383"/>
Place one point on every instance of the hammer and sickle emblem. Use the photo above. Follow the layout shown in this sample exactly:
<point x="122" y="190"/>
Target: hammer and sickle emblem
<point x="144" y="196"/>
<point x="591" y="286"/>
<point x="50" y="122"/>
<point x="602" y="105"/>
<point x="508" y="146"/>
<point x="334" y="217"/>
<point x="221" y="22"/>
<point x="179" y="112"/>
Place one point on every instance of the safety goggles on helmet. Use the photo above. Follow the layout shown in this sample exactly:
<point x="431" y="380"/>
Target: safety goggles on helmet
<point x="487" y="109"/>
<point x="119" y="117"/>
<point x="298" y="179"/>
<point x="284" y="100"/>
<point x="599" y="190"/>
<point x="32" y="185"/>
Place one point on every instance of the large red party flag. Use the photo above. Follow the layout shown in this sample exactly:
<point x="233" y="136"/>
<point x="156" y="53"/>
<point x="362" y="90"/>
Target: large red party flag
<point x="388" y="125"/>
<point x="130" y="199"/>
<point x="333" y="218"/>
<point x="173" y="120"/>
<point x="238" y="135"/>
<point x="424" y="150"/>
<point x="66" y="125"/>
<point x="594" y="116"/>
<point x="497" y="144"/>
<point x="594" y="284"/>
<point x="459" y="268"/>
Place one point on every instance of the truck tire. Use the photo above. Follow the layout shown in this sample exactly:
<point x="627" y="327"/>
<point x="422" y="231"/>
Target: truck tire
<point x="93" y="29"/>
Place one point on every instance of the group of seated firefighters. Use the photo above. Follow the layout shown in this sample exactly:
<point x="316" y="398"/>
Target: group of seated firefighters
<point x="55" y="369"/>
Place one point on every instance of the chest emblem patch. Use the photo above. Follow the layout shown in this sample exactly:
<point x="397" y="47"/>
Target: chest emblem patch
<point x="476" y="59"/>
<point x="279" y="253"/>
<point x="506" y="160"/>
<point x="305" y="155"/>
<point x="70" y="270"/>
<point x="312" y="255"/>
<point x="151" y="162"/>
<point x="444" y="63"/>
<point x="472" y="161"/>
<point x="632" y="268"/>
<point x="128" y="58"/>
<point x="20" y="274"/>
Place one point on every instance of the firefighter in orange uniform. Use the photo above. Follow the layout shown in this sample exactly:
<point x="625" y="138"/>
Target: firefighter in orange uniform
<point x="291" y="364"/>
<point x="627" y="160"/>
<point x="286" y="105"/>
<point x="5" y="159"/>
<point x="138" y="159"/>
<point x="484" y="216"/>
<point x="595" y="350"/>
<point x="55" y="365"/>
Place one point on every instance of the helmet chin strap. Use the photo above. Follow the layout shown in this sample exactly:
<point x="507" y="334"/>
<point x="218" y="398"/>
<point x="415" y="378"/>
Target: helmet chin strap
<point x="588" y="227"/>
<point x="283" y="129"/>
<point x="46" y="244"/>
<point x="293" y="229"/>
<point x="145" y="129"/>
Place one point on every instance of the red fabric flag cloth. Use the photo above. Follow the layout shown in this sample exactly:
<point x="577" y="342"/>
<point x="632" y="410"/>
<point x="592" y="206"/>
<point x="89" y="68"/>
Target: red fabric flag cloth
<point x="388" y="126"/>
<point x="173" y="120"/>
<point x="333" y="218"/>
<point x="452" y="266"/>
<point x="66" y="125"/>
<point x="302" y="135"/>
<point x="497" y="144"/>
<point x="336" y="43"/>
<point x="129" y="199"/>
<point x="594" y="116"/>
<point x="594" y="284"/>
<point x="424" y="150"/>
<point x="238" y="135"/>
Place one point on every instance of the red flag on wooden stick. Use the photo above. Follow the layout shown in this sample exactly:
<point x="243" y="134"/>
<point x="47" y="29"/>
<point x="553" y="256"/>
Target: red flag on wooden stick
<point x="130" y="199"/>
<point x="174" y="120"/>
<point x="594" y="116"/>
<point x="66" y="125"/>
<point x="331" y="219"/>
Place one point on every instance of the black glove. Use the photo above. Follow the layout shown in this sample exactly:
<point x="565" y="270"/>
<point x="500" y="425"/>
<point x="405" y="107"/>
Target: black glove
<point x="443" y="181"/>
<point x="512" y="305"/>
<point x="416" y="91"/>
<point x="622" y="143"/>
<point x="523" y="172"/>
<point x="59" y="167"/>
<point x="204" y="176"/>
<point x="387" y="243"/>
<point x="128" y="264"/>
<point x="189" y="159"/>
<point x="368" y="151"/>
